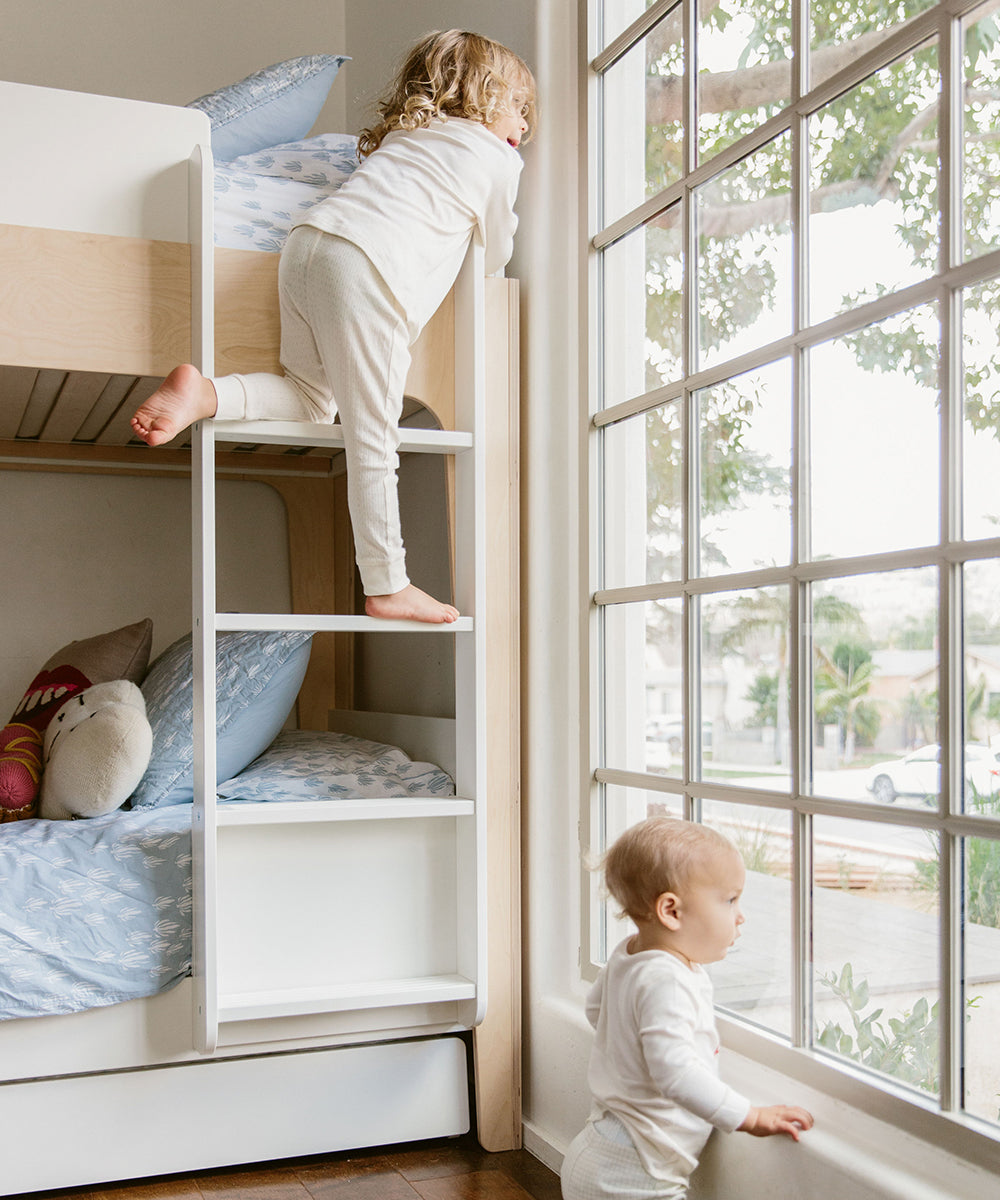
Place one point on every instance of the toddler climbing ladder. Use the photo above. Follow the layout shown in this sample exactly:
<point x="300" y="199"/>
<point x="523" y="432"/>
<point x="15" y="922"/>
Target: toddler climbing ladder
<point x="393" y="890"/>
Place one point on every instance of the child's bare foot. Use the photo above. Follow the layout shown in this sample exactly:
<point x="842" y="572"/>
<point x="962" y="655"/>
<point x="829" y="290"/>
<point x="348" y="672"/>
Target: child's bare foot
<point x="410" y="604"/>
<point x="185" y="396"/>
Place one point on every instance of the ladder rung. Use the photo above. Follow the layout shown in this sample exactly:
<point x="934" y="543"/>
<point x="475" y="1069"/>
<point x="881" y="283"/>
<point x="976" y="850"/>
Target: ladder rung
<point x="239" y="813"/>
<point x="333" y="622"/>
<point x="344" y="997"/>
<point x="302" y="433"/>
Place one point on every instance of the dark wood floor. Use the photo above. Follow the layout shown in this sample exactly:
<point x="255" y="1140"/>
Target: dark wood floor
<point x="449" y="1169"/>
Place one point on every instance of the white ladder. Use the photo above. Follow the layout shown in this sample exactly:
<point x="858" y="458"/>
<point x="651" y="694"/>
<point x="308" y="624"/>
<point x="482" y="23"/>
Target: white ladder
<point x="215" y="1003"/>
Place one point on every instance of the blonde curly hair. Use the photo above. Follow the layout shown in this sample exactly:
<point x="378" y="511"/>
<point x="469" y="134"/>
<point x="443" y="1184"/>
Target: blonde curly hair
<point x="453" y="74"/>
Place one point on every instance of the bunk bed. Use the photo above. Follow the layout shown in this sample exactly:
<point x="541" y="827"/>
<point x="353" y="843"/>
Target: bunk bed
<point x="293" y="1034"/>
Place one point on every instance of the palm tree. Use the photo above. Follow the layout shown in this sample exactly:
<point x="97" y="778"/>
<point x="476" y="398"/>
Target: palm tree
<point x="843" y="682"/>
<point x="762" y="615"/>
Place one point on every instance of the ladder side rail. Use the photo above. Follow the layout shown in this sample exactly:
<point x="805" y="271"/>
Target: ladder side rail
<point x="471" y="598"/>
<point x="203" y="604"/>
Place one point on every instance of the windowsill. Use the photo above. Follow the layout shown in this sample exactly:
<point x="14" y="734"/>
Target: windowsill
<point x="858" y="1121"/>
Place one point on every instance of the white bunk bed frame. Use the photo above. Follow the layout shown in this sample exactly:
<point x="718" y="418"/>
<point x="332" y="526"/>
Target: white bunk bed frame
<point x="296" y="1034"/>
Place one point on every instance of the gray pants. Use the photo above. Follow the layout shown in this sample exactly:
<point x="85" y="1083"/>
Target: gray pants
<point x="344" y="349"/>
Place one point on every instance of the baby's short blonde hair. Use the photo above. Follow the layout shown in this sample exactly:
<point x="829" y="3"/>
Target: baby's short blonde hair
<point x="453" y="74"/>
<point x="658" y="855"/>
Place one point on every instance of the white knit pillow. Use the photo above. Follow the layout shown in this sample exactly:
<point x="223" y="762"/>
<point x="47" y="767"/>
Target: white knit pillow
<point x="97" y="748"/>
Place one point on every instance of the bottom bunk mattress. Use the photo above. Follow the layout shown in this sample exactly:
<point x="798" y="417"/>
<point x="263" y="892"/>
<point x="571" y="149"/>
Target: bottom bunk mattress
<point x="94" y="912"/>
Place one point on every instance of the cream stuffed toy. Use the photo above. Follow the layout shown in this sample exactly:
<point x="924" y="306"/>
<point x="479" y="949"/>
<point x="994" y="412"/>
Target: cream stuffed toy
<point x="96" y="750"/>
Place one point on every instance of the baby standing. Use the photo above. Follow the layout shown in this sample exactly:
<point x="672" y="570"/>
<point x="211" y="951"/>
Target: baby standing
<point x="654" y="1068"/>
<point x="364" y="270"/>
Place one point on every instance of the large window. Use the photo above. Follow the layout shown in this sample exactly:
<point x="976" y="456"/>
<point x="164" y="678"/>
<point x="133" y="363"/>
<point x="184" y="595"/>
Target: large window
<point x="796" y="481"/>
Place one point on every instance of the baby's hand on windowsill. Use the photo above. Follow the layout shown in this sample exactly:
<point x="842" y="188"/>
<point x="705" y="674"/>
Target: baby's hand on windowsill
<point x="777" y="1118"/>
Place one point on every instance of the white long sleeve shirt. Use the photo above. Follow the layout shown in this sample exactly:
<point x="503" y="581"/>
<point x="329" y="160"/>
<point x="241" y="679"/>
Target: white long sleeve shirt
<point x="655" y="1058"/>
<point x="413" y="204"/>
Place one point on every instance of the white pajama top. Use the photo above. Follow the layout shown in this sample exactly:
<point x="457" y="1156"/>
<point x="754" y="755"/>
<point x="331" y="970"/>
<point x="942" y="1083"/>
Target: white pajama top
<point x="413" y="204"/>
<point x="655" y="1058"/>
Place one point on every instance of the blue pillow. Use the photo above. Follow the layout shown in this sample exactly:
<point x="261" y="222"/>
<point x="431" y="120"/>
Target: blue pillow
<point x="278" y="104"/>
<point x="258" y="678"/>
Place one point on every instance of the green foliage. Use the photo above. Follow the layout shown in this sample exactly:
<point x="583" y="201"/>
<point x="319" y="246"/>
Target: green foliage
<point x="905" y="1047"/>
<point x="730" y="471"/>
<point x="982" y="868"/>
<point x="841" y="20"/>
<point x="763" y="695"/>
<point x="755" y="847"/>
<point x="918" y="711"/>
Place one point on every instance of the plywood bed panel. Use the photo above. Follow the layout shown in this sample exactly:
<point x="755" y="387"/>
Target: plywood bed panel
<point x="93" y="302"/>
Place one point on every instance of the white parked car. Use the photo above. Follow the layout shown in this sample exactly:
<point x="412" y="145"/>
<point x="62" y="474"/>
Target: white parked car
<point x="669" y="728"/>
<point x="919" y="773"/>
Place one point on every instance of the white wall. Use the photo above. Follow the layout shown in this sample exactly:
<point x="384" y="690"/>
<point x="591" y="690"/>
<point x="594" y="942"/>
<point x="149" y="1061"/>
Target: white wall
<point x="166" y="51"/>
<point x="376" y="54"/>
<point x="85" y="554"/>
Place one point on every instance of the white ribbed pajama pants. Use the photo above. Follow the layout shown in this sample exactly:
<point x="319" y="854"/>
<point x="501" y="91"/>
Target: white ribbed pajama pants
<point x="602" y="1164"/>
<point x="344" y="349"/>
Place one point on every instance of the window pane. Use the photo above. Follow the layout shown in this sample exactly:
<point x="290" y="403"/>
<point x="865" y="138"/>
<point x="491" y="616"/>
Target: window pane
<point x="873" y="178"/>
<point x="745" y="439"/>
<point x="643" y="687"/>
<point x="744" y="687"/>
<point x="642" y="498"/>
<point x="875" y="946"/>
<point x="754" y="980"/>
<point x="844" y="29"/>
<point x="981" y="638"/>
<point x="982" y="977"/>
<point x="755" y="40"/>
<point x="618" y="15"/>
<point x="981" y="148"/>
<point x="643" y="142"/>
<point x="981" y="448"/>
<point x="623" y="807"/>
<point x="875" y="435"/>
<point x="875" y="687"/>
<point x="642" y="314"/>
<point x="744" y="255"/>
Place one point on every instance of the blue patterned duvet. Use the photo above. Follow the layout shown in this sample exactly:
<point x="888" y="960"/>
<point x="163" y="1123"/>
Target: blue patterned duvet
<point x="93" y="912"/>
<point x="259" y="197"/>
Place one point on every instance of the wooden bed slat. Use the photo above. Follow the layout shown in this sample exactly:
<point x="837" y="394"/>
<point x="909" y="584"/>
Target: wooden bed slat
<point x="77" y="398"/>
<point x="118" y="431"/>
<point x="48" y="384"/>
<point x="16" y="385"/>
<point x="108" y="403"/>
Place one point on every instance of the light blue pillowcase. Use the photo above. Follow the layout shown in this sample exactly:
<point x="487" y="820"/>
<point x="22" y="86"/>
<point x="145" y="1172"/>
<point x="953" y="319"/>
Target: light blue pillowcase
<point x="275" y="105"/>
<point x="301" y="764"/>
<point x="258" y="678"/>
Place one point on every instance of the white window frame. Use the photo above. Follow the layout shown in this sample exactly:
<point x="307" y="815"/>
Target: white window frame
<point x="938" y="1120"/>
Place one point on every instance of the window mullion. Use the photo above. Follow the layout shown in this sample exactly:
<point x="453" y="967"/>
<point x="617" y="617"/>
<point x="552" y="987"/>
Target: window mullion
<point x="801" y="1024"/>
<point x="953" y="733"/>
<point x="951" y="1004"/>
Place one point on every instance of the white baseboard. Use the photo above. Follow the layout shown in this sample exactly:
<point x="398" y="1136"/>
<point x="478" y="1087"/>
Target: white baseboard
<point x="538" y="1144"/>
